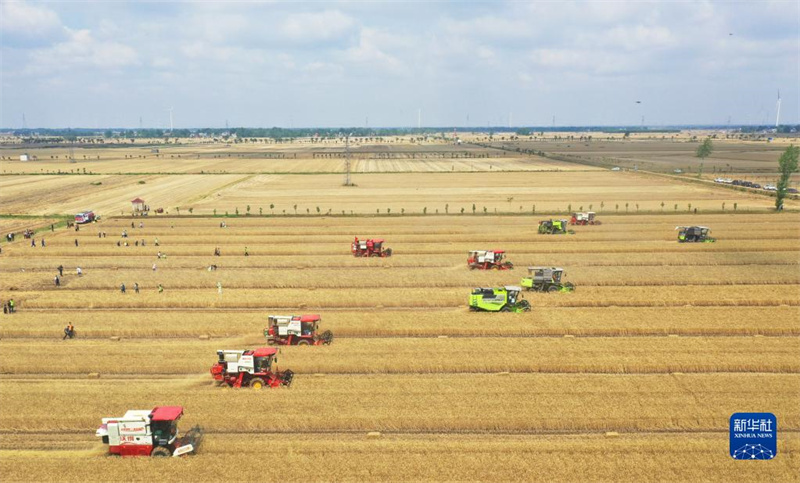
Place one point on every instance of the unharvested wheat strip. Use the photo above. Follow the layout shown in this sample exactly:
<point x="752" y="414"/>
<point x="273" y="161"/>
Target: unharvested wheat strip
<point x="420" y="402"/>
<point x="380" y="356"/>
<point x="321" y="299"/>
<point x="630" y="458"/>
<point x="181" y="278"/>
<point x="545" y="321"/>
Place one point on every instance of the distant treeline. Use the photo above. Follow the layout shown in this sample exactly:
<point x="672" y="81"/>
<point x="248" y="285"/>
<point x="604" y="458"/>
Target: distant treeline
<point x="277" y="133"/>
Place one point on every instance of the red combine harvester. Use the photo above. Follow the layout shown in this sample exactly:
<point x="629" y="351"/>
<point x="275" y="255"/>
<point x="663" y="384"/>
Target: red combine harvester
<point x="149" y="433"/>
<point x="372" y="247"/>
<point x="587" y="218"/>
<point x="250" y="368"/>
<point x="488" y="260"/>
<point x="296" y="330"/>
<point x="85" y="217"/>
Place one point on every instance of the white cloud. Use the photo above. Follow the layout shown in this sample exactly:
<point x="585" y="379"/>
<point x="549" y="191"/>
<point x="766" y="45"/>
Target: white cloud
<point x="27" y="25"/>
<point x="315" y="27"/>
<point x="82" y="50"/>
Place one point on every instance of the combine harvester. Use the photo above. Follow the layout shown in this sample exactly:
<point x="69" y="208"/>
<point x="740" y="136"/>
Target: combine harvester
<point x="296" y="330"/>
<point x="584" y="218"/>
<point x="546" y="279"/>
<point x="503" y="299"/>
<point x="554" y="227"/>
<point x="372" y="247"/>
<point x="250" y="368"/>
<point x="149" y="433"/>
<point x="488" y="260"/>
<point x="694" y="234"/>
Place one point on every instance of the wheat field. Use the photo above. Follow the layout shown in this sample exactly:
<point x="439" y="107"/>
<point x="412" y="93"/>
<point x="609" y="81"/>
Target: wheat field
<point x="632" y="377"/>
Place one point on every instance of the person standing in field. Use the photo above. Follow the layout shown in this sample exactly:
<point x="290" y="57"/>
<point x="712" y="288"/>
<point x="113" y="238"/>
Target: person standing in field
<point x="57" y="281"/>
<point x="122" y="287"/>
<point x="79" y="271"/>
<point x="154" y="267"/>
<point x="52" y="227"/>
<point x="156" y="241"/>
<point x="219" y="288"/>
<point x="76" y="242"/>
<point x="43" y="243"/>
<point x="33" y="242"/>
<point x="69" y="331"/>
<point x="136" y="287"/>
<point x="245" y="252"/>
<point x="61" y="270"/>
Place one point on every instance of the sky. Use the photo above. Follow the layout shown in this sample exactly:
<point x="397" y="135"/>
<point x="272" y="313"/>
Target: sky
<point x="397" y="64"/>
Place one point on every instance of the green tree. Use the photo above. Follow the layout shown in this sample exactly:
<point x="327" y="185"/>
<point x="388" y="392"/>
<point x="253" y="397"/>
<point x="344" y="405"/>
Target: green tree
<point x="425" y="210"/>
<point x="787" y="165"/>
<point x="617" y="207"/>
<point x="191" y="210"/>
<point x="473" y="208"/>
<point x="272" y="208"/>
<point x="462" y="210"/>
<point x="447" y="208"/>
<point x="662" y="206"/>
<point x="318" y="210"/>
<point x="704" y="151"/>
<point x="260" y="211"/>
<point x="676" y="206"/>
<point x="248" y="210"/>
<point x="626" y="207"/>
<point x="215" y="212"/>
<point x="295" y="209"/>
<point x="723" y="206"/>
<point x="485" y="210"/>
<point x="236" y="210"/>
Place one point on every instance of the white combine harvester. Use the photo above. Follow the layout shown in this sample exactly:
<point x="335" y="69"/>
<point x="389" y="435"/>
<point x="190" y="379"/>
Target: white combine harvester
<point x="149" y="433"/>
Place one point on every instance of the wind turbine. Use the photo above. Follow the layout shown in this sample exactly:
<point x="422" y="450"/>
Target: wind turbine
<point x="778" y="115"/>
<point x="170" y="118"/>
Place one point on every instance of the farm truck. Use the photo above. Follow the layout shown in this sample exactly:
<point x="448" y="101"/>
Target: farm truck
<point x="253" y="368"/>
<point x="149" y="433"/>
<point x="546" y="279"/>
<point x="503" y="299"/>
<point x="371" y="247"/>
<point x="584" y="218"/>
<point x="488" y="260"/>
<point x="694" y="234"/>
<point x="553" y="227"/>
<point x="296" y="330"/>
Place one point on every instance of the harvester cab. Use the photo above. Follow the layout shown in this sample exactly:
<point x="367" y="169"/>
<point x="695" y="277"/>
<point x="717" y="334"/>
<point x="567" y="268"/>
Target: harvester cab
<point x="584" y="218"/>
<point x="503" y="299"/>
<point x="546" y="279"/>
<point x="296" y="330"/>
<point x="694" y="234"/>
<point x="488" y="260"/>
<point x="149" y="433"/>
<point x="371" y="247"/>
<point x="553" y="227"/>
<point x="253" y="368"/>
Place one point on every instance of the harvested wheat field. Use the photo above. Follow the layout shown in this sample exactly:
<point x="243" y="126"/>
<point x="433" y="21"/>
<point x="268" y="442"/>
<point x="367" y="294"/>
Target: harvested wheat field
<point x="631" y="377"/>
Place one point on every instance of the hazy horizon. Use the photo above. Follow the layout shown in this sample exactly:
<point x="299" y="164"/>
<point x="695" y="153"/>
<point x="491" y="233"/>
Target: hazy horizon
<point x="349" y="64"/>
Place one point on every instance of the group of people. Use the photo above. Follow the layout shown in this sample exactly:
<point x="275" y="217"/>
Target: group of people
<point x="33" y="242"/>
<point x="9" y="307"/>
<point x="123" y="289"/>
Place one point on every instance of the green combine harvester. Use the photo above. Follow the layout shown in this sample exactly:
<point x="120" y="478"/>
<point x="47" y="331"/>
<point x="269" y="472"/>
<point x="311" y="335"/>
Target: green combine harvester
<point x="554" y="227"/>
<point x="503" y="299"/>
<point x="694" y="234"/>
<point x="546" y="279"/>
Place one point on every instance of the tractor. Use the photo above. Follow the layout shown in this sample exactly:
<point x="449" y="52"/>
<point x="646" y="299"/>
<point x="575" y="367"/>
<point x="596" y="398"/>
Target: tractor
<point x="503" y="299"/>
<point x="296" y="330"/>
<point x="696" y="234"/>
<point x="488" y="260"/>
<point x="149" y="433"/>
<point x="372" y="247"/>
<point x="250" y="368"/>
<point x="553" y="227"/>
<point x="584" y="218"/>
<point x="546" y="279"/>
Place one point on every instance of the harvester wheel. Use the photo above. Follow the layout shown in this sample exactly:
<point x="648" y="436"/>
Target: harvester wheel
<point x="303" y="342"/>
<point x="257" y="383"/>
<point x="552" y="288"/>
<point x="160" y="452"/>
<point x="506" y="309"/>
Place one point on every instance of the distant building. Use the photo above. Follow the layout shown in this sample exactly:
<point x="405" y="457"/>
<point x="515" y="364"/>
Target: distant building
<point x="24" y="157"/>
